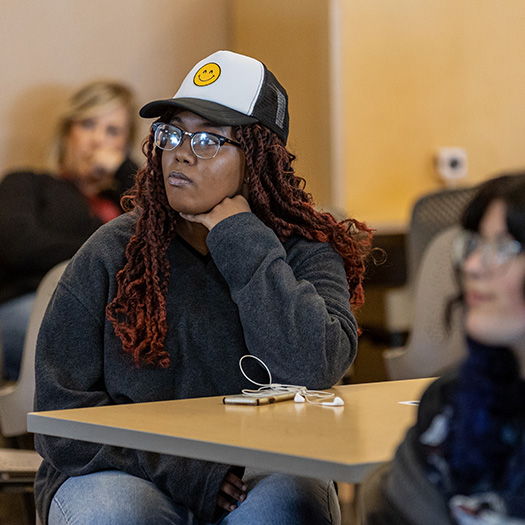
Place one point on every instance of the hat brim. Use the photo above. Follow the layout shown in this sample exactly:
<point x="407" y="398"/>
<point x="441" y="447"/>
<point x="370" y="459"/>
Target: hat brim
<point x="216" y="113"/>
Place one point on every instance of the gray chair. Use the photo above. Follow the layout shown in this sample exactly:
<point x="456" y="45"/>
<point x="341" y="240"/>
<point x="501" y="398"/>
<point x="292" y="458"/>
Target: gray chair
<point x="18" y="467"/>
<point x="432" y="346"/>
<point x="389" y="309"/>
<point x="431" y="214"/>
<point x="423" y="300"/>
<point x="16" y="400"/>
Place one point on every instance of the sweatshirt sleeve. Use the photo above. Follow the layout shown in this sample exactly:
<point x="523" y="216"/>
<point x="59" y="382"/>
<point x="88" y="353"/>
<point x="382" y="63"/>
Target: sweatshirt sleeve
<point x="294" y="306"/>
<point x="70" y="374"/>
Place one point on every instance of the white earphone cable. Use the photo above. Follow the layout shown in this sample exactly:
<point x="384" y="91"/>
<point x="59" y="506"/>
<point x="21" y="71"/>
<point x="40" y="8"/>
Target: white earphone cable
<point x="314" y="397"/>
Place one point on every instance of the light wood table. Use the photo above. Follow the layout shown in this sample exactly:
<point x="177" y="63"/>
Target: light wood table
<point x="339" y="443"/>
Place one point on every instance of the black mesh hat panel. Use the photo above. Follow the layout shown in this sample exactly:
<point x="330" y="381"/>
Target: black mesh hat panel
<point x="271" y="108"/>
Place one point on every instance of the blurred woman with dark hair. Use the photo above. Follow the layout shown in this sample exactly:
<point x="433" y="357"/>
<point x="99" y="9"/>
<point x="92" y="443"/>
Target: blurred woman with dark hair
<point x="464" y="460"/>
<point x="222" y="254"/>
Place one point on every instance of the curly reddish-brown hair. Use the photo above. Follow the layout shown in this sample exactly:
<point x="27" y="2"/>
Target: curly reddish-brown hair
<point x="276" y="197"/>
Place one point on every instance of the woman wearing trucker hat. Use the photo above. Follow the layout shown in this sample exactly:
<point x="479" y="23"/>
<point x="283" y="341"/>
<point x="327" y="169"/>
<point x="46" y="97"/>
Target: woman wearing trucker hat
<point x="222" y="254"/>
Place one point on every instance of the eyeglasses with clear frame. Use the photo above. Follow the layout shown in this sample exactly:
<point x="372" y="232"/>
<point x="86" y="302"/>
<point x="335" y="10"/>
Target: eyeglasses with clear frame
<point x="205" y="145"/>
<point x="495" y="254"/>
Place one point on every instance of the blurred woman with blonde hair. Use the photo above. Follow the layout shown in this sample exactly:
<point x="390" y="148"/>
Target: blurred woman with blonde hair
<point x="46" y="217"/>
<point x="96" y="159"/>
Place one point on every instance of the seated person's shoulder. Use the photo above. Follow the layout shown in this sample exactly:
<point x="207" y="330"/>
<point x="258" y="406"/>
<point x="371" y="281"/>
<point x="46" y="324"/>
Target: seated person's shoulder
<point x="115" y="233"/>
<point x="109" y="241"/>
<point x="23" y="177"/>
<point x="102" y="256"/>
<point x="434" y="399"/>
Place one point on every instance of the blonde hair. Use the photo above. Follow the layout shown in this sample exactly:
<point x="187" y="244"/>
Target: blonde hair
<point x="82" y="105"/>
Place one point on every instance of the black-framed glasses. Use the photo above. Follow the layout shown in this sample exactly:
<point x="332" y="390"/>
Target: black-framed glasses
<point x="204" y="144"/>
<point x="494" y="254"/>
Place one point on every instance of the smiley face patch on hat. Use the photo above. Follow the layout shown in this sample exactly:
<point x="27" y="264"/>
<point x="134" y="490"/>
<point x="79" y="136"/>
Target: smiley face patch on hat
<point x="239" y="92"/>
<point x="207" y="74"/>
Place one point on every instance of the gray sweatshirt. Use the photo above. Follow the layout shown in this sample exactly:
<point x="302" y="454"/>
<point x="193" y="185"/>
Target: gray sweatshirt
<point x="286" y="304"/>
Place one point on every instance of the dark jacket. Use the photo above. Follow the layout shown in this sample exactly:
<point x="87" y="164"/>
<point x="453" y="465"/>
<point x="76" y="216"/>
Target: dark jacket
<point x="402" y="492"/>
<point x="44" y="220"/>
<point x="286" y="304"/>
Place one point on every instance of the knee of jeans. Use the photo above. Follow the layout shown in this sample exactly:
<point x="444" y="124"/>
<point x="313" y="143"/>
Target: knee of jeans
<point x="298" y="490"/>
<point x="111" y="497"/>
<point x="297" y="483"/>
<point x="300" y="500"/>
<point x="313" y="500"/>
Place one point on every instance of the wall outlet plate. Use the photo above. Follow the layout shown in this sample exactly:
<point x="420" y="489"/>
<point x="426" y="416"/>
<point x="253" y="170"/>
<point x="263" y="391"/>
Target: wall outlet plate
<point x="451" y="164"/>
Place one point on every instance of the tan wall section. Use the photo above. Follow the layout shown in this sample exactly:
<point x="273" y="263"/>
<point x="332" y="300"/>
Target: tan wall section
<point x="423" y="75"/>
<point x="291" y="38"/>
<point x="48" y="49"/>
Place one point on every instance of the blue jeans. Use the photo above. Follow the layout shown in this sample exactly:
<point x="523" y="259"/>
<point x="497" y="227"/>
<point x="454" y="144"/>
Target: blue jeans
<point x="116" y="498"/>
<point x="14" y="318"/>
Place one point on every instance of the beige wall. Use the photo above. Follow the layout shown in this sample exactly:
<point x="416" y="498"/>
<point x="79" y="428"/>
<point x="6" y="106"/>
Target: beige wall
<point x="422" y="75"/>
<point x="416" y="76"/>
<point x="291" y="38"/>
<point x="49" y="48"/>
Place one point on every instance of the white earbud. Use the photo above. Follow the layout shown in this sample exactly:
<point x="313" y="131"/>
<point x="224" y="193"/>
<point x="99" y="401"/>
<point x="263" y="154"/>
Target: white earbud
<point x="336" y="402"/>
<point x="299" y="398"/>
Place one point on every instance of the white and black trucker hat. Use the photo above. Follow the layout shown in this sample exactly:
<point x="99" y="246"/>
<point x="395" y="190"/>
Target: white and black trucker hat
<point x="232" y="90"/>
